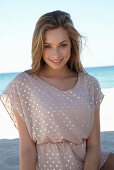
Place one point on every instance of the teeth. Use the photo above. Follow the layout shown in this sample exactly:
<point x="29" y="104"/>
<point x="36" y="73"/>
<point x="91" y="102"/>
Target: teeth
<point x="57" y="61"/>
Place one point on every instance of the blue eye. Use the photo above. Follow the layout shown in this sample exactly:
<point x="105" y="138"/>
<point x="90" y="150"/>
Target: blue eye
<point x="63" y="45"/>
<point x="47" y="46"/>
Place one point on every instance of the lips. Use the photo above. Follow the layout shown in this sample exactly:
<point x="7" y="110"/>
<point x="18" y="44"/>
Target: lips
<point x="57" y="61"/>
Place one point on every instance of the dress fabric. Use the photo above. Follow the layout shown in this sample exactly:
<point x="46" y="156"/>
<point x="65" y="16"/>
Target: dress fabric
<point x="58" y="121"/>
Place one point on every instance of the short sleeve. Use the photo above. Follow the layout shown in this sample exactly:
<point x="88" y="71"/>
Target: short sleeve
<point x="10" y="98"/>
<point x="98" y="95"/>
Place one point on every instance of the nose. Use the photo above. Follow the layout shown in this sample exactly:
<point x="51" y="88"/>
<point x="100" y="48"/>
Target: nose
<point x="56" y="53"/>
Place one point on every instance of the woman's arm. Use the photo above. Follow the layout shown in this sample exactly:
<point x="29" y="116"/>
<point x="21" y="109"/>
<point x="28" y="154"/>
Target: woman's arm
<point x="93" y="155"/>
<point x="28" y="153"/>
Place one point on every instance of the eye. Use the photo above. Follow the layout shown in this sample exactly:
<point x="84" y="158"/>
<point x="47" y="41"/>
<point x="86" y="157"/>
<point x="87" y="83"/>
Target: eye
<point x="63" y="45"/>
<point x="47" y="46"/>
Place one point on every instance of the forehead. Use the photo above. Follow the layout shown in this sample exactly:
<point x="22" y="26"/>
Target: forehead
<point x="56" y="35"/>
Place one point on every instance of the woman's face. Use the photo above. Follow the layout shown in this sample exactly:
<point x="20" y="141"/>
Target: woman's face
<point x="57" y="48"/>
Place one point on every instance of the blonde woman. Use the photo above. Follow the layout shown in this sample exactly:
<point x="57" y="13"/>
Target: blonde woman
<point x="55" y="105"/>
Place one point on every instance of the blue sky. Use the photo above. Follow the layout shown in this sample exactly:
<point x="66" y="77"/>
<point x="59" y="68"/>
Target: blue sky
<point x="93" y="19"/>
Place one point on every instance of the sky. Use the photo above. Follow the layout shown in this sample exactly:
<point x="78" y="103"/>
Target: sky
<point x="93" y="19"/>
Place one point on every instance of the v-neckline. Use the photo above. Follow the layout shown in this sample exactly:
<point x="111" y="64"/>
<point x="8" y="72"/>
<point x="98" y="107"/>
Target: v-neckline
<point x="49" y="85"/>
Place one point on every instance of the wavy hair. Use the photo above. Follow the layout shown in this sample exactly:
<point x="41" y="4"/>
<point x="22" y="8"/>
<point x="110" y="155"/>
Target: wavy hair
<point x="52" y="20"/>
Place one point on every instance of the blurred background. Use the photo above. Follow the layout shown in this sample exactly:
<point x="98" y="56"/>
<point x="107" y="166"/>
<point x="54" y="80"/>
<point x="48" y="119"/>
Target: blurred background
<point x="93" y="19"/>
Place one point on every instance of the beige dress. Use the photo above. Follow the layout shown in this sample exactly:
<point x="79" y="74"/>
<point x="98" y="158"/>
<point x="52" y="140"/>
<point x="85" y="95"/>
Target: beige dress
<point x="58" y="121"/>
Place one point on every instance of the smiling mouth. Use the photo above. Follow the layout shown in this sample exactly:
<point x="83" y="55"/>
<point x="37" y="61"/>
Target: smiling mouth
<point x="56" y="61"/>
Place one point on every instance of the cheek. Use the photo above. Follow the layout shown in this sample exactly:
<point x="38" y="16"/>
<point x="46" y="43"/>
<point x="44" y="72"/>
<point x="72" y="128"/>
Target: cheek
<point x="67" y="52"/>
<point x="46" y="53"/>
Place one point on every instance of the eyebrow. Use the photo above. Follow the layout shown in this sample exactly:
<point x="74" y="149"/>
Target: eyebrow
<point x="60" y="42"/>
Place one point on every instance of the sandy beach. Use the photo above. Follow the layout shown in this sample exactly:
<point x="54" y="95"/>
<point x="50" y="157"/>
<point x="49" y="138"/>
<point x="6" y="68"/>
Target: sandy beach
<point x="9" y="138"/>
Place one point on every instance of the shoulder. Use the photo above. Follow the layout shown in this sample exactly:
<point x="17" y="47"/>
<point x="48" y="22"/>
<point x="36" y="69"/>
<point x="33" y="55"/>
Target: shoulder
<point x="18" y="84"/>
<point x="88" y="78"/>
<point x="21" y="77"/>
<point x="19" y="80"/>
<point x="89" y="81"/>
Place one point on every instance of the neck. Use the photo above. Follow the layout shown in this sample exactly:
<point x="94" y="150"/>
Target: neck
<point x="58" y="73"/>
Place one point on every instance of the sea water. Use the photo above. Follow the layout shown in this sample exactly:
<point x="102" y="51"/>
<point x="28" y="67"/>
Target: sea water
<point x="105" y="76"/>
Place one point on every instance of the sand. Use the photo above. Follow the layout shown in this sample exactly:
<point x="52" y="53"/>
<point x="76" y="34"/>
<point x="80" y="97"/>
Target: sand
<point x="9" y="138"/>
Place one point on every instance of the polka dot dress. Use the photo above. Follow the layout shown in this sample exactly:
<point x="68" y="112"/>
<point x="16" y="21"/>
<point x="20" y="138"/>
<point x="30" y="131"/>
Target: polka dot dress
<point x="58" y="121"/>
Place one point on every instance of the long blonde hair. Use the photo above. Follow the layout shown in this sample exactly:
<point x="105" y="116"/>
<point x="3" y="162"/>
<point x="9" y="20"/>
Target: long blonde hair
<point x="54" y="20"/>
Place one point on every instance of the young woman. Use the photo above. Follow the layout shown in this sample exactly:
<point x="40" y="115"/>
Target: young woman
<point x="55" y="105"/>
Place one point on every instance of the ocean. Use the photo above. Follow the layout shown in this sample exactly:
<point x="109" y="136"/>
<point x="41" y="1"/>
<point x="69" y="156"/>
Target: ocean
<point x="105" y="76"/>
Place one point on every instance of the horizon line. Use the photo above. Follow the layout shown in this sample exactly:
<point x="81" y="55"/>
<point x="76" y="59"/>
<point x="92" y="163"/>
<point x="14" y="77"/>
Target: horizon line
<point x="84" y="67"/>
